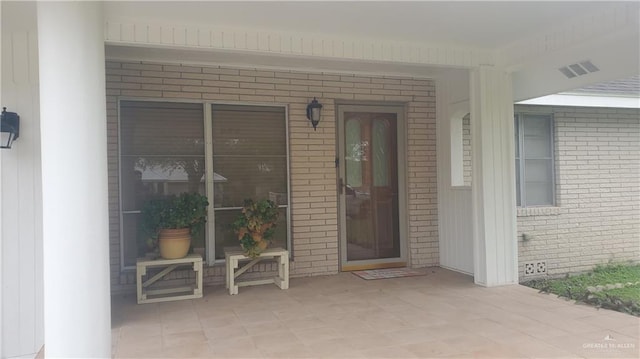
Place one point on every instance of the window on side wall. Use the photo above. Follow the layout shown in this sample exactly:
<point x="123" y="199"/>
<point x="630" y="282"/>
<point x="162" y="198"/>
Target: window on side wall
<point x="534" y="160"/>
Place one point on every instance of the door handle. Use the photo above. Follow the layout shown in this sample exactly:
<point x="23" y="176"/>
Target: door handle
<point x="340" y="186"/>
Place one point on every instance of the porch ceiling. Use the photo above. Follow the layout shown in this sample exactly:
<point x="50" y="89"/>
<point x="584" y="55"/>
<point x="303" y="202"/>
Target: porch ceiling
<point x="465" y="24"/>
<point x="530" y="39"/>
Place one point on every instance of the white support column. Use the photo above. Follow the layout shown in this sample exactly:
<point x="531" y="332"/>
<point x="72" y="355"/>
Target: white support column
<point x="77" y="310"/>
<point x="493" y="161"/>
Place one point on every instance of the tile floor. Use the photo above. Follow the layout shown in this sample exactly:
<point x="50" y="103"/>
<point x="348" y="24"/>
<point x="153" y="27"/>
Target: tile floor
<point x="441" y="314"/>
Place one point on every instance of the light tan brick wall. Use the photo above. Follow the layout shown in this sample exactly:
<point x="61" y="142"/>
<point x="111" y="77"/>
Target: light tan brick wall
<point x="597" y="217"/>
<point x="466" y="150"/>
<point x="314" y="206"/>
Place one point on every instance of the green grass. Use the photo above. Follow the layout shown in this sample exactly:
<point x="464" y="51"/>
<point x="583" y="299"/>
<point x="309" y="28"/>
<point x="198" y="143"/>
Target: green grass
<point x="626" y="299"/>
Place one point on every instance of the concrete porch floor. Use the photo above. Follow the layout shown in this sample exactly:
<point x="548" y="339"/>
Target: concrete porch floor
<point x="440" y="314"/>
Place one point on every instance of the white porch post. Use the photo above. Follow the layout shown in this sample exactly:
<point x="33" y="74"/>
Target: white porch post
<point x="77" y="311"/>
<point x="494" y="206"/>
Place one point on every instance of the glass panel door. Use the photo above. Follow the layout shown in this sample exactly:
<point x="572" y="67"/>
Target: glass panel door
<point x="369" y="191"/>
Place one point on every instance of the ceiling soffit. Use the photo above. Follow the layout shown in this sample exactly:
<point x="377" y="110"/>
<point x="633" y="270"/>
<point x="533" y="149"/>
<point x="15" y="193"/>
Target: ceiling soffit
<point x="126" y="32"/>
<point x="606" y="34"/>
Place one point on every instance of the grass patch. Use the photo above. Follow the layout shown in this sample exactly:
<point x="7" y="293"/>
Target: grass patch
<point x="595" y="287"/>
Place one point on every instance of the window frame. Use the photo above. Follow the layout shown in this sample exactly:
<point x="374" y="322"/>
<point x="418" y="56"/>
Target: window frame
<point x="209" y="187"/>
<point x="519" y="117"/>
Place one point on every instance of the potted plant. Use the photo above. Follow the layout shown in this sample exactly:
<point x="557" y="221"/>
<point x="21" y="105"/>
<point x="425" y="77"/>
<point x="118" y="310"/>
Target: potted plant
<point x="255" y="226"/>
<point x="169" y="223"/>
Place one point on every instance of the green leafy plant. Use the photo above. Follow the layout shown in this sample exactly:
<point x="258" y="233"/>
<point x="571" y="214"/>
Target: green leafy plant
<point x="614" y="286"/>
<point x="188" y="210"/>
<point x="255" y="226"/>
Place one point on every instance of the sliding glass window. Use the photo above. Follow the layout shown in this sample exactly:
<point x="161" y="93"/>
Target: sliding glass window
<point x="161" y="154"/>
<point x="249" y="162"/>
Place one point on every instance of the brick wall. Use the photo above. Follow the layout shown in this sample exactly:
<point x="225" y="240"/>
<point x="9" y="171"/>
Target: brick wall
<point x="313" y="174"/>
<point x="466" y="150"/>
<point x="597" y="217"/>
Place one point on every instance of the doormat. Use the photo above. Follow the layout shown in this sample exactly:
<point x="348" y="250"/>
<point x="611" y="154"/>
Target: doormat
<point x="388" y="273"/>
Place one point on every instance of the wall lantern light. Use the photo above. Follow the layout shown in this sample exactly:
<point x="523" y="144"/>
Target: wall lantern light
<point x="313" y="112"/>
<point x="10" y="128"/>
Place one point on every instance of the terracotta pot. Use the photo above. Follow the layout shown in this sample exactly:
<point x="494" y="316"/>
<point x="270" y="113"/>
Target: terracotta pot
<point x="174" y="243"/>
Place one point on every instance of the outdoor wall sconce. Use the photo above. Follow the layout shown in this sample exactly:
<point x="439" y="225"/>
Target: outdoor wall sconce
<point x="313" y="112"/>
<point x="10" y="128"/>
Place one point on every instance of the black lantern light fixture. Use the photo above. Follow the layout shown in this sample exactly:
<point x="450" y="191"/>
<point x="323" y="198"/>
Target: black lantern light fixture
<point x="10" y="128"/>
<point x="313" y="112"/>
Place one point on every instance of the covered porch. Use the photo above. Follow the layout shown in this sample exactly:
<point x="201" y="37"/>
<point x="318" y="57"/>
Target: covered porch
<point x="440" y="314"/>
<point x="67" y="66"/>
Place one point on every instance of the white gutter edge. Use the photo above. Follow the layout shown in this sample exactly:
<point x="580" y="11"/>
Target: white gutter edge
<point x="584" y="101"/>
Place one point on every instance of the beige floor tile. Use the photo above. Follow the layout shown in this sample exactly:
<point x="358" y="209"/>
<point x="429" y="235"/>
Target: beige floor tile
<point x="351" y="327"/>
<point x="181" y="326"/>
<point x="541" y="331"/>
<point x="238" y="343"/>
<point x="193" y="350"/>
<point x="132" y="348"/>
<point x="224" y="333"/>
<point x="390" y="352"/>
<point x="411" y="335"/>
<point x="255" y="317"/>
<point x="235" y="352"/>
<point x="371" y="341"/>
<point x="491" y="353"/>
<point x="303" y="323"/>
<point x="537" y="348"/>
<point x="278" y="340"/>
<point x="472" y="343"/>
<point x="135" y="332"/>
<point x="432" y="349"/>
<point x="183" y="339"/>
<point x="313" y="335"/>
<point x="442" y="314"/>
<point x="219" y="321"/>
<point x="266" y="328"/>
<point x="630" y="331"/>
<point x="296" y="351"/>
<point x="330" y="348"/>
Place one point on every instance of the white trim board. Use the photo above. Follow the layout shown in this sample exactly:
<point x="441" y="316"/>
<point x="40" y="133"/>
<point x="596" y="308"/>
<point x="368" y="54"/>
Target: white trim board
<point x="567" y="99"/>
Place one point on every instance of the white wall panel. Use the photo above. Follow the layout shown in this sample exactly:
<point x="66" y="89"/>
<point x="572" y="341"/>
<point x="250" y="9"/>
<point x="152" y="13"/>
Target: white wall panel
<point x="454" y="203"/>
<point x="493" y="177"/>
<point x="22" y="294"/>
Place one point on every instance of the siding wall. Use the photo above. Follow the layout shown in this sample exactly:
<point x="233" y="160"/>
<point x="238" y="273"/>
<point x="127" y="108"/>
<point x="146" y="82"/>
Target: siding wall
<point x="597" y="217"/>
<point x="22" y="301"/>
<point x="312" y="154"/>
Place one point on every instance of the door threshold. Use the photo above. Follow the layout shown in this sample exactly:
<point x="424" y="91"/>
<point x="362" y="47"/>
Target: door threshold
<point x="355" y="267"/>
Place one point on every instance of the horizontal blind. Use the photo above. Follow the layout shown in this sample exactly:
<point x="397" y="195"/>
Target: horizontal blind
<point x="249" y="130"/>
<point x="161" y="128"/>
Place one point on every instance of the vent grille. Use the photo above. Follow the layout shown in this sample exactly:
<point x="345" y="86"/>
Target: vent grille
<point x="534" y="268"/>
<point x="578" y="69"/>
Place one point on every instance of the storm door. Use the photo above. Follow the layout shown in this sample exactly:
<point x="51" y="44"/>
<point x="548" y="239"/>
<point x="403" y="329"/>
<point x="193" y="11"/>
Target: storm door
<point x="370" y="187"/>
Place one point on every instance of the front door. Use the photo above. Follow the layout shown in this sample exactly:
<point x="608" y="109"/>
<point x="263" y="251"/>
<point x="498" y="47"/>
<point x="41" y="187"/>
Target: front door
<point x="371" y="186"/>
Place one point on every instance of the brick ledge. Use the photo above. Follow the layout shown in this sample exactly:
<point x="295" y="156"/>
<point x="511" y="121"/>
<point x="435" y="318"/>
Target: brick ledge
<point x="538" y="211"/>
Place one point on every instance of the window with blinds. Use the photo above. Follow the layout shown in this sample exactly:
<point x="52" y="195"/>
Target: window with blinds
<point x="162" y="153"/>
<point x="249" y="162"/>
<point x="534" y="160"/>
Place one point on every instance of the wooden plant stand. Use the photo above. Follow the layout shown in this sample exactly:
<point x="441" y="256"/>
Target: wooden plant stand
<point x="234" y="255"/>
<point x="148" y="295"/>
